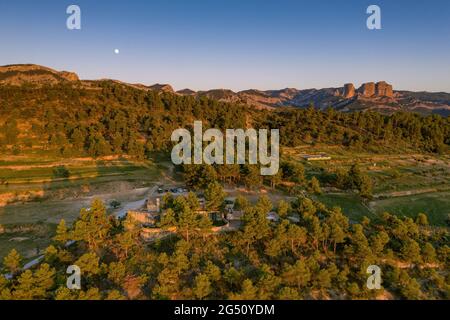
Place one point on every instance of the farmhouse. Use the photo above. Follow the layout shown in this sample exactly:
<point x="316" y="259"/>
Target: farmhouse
<point x="316" y="157"/>
<point x="153" y="205"/>
<point x="144" y="217"/>
<point x="150" y="215"/>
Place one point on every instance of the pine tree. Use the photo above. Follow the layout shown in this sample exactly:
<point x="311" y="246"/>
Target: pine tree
<point x="44" y="281"/>
<point x="314" y="186"/>
<point x="214" y="196"/>
<point x="264" y="204"/>
<point x="24" y="289"/>
<point x="168" y="283"/>
<point x="283" y="209"/>
<point x="249" y="292"/>
<point x="168" y="219"/>
<point x="91" y="294"/>
<point x="187" y="222"/>
<point x="360" y="243"/>
<point x="296" y="236"/>
<point x="378" y="242"/>
<point x="411" y="251"/>
<point x="115" y="295"/>
<point x="202" y="286"/>
<point x="422" y="219"/>
<point x="89" y="263"/>
<point x="297" y="274"/>
<point x="255" y="226"/>
<point x="62" y="235"/>
<point x="117" y="273"/>
<point x="276" y="179"/>
<point x="267" y="284"/>
<point x="193" y="201"/>
<point x="241" y="203"/>
<point x="93" y="226"/>
<point x="12" y="261"/>
<point x="428" y="253"/>
<point x="287" y="293"/>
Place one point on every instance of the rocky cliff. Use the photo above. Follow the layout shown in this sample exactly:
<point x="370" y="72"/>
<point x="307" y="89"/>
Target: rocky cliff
<point x="33" y="74"/>
<point x="349" y="91"/>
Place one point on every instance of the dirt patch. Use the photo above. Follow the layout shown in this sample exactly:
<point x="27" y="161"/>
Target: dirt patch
<point x="7" y="198"/>
<point x="18" y="239"/>
<point x="405" y="193"/>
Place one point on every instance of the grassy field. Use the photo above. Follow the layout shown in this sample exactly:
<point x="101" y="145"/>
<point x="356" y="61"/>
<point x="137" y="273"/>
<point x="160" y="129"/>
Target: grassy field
<point x="436" y="205"/>
<point x="29" y="243"/>
<point x="350" y="204"/>
<point x="51" y="211"/>
<point x="403" y="184"/>
<point x="84" y="176"/>
<point x="43" y="173"/>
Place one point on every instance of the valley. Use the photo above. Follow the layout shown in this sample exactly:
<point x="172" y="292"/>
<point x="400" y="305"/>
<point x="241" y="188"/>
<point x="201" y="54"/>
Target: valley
<point x="34" y="200"/>
<point x="363" y="176"/>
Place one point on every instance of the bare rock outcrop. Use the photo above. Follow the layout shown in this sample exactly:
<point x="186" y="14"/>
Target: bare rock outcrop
<point x="367" y="89"/>
<point x="349" y="91"/>
<point x="69" y="76"/>
<point x="19" y="74"/>
<point x="161" y="88"/>
<point x="378" y="90"/>
<point x="384" y="89"/>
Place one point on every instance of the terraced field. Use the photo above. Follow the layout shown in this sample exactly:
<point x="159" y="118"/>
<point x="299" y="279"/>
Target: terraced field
<point x="40" y="192"/>
<point x="404" y="184"/>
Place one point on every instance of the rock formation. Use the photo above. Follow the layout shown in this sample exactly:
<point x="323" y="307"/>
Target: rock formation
<point x="367" y="89"/>
<point x="70" y="76"/>
<point x="161" y="88"/>
<point x="384" y="89"/>
<point x="349" y="90"/>
<point x="19" y="74"/>
<point x="380" y="89"/>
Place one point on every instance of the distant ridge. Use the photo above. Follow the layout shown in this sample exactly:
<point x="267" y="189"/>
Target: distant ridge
<point x="378" y="96"/>
<point x="18" y="74"/>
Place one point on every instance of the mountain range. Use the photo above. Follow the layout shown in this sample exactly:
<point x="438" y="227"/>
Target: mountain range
<point x="379" y="96"/>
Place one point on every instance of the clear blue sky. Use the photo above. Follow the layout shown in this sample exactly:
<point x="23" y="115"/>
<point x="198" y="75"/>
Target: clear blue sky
<point x="237" y="44"/>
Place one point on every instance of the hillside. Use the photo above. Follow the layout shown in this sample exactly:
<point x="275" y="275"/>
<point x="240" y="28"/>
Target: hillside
<point x="20" y="74"/>
<point x="379" y="96"/>
<point x="370" y="96"/>
<point x="99" y="118"/>
<point x="53" y="111"/>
